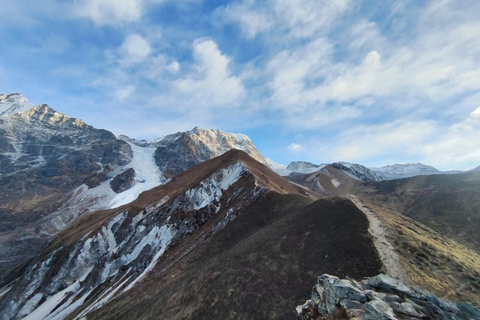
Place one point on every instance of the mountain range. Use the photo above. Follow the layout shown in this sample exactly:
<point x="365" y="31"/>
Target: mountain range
<point x="198" y="224"/>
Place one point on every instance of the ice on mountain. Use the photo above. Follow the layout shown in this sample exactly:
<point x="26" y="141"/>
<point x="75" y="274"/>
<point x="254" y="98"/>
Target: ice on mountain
<point x="147" y="175"/>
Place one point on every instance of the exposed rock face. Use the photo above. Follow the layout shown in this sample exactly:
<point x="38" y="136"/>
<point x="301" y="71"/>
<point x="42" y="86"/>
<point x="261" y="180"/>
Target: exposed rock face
<point x="178" y="152"/>
<point x="358" y="171"/>
<point x="379" y="297"/>
<point x="303" y="167"/>
<point x="45" y="156"/>
<point x="123" y="181"/>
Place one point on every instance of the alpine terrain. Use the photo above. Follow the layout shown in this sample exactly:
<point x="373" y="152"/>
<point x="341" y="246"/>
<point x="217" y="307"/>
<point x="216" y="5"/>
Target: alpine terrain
<point x="200" y="225"/>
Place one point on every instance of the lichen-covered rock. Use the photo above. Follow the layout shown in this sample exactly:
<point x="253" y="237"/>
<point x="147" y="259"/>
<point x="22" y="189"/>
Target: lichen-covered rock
<point x="378" y="298"/>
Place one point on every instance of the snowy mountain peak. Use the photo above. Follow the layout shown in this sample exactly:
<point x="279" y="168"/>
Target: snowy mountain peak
<point x="398" y="171"/>
<point x="358" y="172"/>
<point x="45" y="115"/>
<point x="13" y="103"/>
<point x="304" y="167"/>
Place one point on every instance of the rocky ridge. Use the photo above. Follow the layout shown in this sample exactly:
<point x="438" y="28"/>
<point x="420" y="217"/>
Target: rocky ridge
<point x="46" y="159"/>
<point x="359" y="172"/>
<point x="379" y="297"/>
<point x="13" y="103"/>
<point x="180" y="151"/>
<point x="107" y="253"/>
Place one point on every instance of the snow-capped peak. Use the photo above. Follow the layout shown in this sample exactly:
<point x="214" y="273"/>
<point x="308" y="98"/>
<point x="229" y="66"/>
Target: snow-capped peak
<point x="13" y="103"/>
<point x="398" y="171"/>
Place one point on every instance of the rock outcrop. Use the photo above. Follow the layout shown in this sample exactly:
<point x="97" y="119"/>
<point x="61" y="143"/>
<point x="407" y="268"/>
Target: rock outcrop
<point x="45" y="156"/>
<point x="380" y="297"/>
<point x="180" y="151"/>
<point x="123" y="181"/>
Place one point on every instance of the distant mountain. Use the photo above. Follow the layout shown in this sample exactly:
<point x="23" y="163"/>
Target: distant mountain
<point x="303" y="167"/>
<point x="359" y="172"/>
<point x="13" y="103"/>
<point x="177" y="152"/>
<point x="399" y="171"/>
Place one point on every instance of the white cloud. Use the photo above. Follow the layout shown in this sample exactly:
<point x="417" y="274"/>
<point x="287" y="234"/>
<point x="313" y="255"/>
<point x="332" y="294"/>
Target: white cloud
<point x="294" y="147"/>
<point x="123" y="93"/>
<point x="457" y="146"/>
<point x="134" y="49"/>
<point x="366" y="142"/>
<point x="297" y="19"/>
<point x="173" y="67"/>
<point x="109" y="12"/>
<point x="252" y="20"/>
<point x="309" y="17"/>
<point x="211" y="82"/>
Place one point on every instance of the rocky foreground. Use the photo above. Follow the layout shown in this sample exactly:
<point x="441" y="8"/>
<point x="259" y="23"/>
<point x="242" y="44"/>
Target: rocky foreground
<point x="380" y="297"/>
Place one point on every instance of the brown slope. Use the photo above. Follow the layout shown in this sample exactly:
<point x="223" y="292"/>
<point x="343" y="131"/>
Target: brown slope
<point x="429" y="259"/>
<point x="449" y="204"/>
<point x="327" y="181"/>
<point x="259" y="266"/>
<point x="188" y="179"/>
<point x="443" y="208"/>
<point x="192" y="224"/>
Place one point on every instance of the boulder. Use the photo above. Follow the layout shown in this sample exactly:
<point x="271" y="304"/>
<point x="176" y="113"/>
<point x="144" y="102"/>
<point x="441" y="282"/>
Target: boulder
<point x="378" y="298"/>
<point x="123" y="181"/>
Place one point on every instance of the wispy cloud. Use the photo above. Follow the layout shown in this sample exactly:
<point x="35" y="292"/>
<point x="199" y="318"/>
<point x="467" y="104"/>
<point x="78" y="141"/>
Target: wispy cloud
<point x="109" y="12"/>
<point x="339" y="80"/>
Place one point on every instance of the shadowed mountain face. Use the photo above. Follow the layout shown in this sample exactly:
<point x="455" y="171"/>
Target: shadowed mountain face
<point x="227" y="238"/>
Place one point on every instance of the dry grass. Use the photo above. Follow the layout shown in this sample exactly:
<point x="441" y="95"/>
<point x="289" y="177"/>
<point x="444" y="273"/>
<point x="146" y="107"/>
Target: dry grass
<point x="431" y="260"/>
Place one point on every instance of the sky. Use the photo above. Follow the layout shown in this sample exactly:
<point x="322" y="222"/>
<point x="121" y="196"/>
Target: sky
<point x="371" y="82"/>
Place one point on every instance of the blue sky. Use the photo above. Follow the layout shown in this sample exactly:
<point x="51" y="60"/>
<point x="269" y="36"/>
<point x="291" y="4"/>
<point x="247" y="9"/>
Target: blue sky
<point x="372" y="82"/>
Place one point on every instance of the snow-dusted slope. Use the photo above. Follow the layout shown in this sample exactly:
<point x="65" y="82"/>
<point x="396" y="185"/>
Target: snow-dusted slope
<point x="177" y="152"/>
<point x="13" y="103"/>
<point x="147" y="175"/>
<point x="126" y="245"/>
<point x="358" y="172"/>
<point x="399" y="171"/>
<point x="302" y="167"/>
<point x="49" y="165"/>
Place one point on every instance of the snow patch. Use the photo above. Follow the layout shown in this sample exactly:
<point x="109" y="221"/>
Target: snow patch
<point x="336" y="183"/>
<point x="211" y="189"/>
<point x="147" y="175"/>
<point x="44" y="310"/>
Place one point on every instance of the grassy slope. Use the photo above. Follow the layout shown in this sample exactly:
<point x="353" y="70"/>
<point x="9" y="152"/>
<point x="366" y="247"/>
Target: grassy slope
<point x="260" y="266"/>
<point x="449" y="204"/>
<point x="431" y="260"/>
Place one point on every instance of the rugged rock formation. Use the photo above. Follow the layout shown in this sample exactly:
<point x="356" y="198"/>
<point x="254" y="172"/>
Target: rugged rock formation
<point x="358" y="171"/>
<point x="380" y="297"/>
<point x="178" y="152"/>
<point x="123" y="181"/>
<point x="44" y="157"/>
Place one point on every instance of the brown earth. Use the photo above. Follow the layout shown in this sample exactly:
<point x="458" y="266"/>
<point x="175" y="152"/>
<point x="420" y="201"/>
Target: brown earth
<point x="259" y="266"/>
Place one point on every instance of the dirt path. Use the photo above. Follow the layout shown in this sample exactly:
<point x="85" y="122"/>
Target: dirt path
<point x="385" y="250"/>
